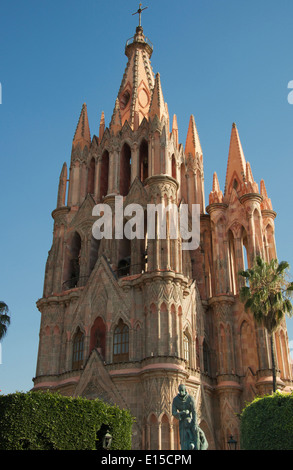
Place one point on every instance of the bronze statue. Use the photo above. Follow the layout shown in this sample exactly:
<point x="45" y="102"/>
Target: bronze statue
<point x="183" y="408"/>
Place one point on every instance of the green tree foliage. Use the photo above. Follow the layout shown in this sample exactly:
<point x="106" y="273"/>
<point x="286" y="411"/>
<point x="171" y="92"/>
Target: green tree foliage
<point x="267" y="296"/>
<point x="50" y="421"/>
<point x="267" y="423"/>
<point x="4" y="319"/>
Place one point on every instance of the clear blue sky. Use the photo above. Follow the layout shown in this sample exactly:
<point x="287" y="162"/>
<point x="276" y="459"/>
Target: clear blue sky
<point x="220" y="60"/>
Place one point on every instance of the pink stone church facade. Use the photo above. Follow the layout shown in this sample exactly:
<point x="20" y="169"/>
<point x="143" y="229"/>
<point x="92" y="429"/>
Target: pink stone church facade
<point x="129" y="320"/>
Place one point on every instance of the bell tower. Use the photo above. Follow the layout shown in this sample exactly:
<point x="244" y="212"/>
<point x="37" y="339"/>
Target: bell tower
<point x="128" y="318"/>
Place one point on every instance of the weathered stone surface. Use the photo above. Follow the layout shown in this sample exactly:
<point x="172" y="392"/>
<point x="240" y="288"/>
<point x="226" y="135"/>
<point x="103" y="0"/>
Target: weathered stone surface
<point x="129" y="320"/>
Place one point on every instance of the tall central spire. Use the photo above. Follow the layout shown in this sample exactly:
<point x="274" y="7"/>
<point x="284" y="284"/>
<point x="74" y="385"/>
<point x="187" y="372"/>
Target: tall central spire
<point x="135" y="93"/>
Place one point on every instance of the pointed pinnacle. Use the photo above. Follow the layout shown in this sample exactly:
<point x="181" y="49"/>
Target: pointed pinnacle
<point x="192" y="145"/>
<point x="236" y="165"/>
<point x="82" y="134"/>
<point x="157" y="106"/>
<point x="116" y="124"/>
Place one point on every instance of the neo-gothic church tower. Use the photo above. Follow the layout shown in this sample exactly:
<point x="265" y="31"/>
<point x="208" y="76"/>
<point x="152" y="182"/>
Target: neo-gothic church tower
<point x="129" y="320"/>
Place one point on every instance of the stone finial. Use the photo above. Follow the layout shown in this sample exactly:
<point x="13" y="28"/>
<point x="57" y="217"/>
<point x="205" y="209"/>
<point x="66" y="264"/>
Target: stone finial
<point x="266" y="202"/>
<point x="216" y="195"/>
<point x="236" y="166"/>
<point x="102" y="126"/>
<point x="62" y="187"/>
<point x="116" y="124"/>
<point x="82" y="134"/>
<point x="157" y="106"/>
<point x="175" y="130"/>
<point x="192" y="145"/>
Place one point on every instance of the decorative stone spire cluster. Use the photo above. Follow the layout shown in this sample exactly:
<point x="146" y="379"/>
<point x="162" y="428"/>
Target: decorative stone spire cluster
<point x="239" y="177"/>
<point x="137" y="85"/>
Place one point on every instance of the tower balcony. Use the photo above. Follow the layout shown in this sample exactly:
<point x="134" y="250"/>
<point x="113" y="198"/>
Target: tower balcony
<point x="72" y="283"/>
<point x="134" y="39"/>
<point x="139" y="40"/>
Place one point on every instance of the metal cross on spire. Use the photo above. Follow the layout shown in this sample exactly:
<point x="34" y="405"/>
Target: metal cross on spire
<point x="139" y="12"/>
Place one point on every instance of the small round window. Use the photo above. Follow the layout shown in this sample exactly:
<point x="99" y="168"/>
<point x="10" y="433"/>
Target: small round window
<point x="124" y="99"/>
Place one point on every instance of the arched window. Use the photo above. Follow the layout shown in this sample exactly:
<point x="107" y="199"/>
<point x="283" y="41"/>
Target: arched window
<point x="206" y="358"/>
<point x="121" y="342"/>
<point x="91" y="177"/>
<point x="94" y="252"/>
<point x="124" y="256"/>
<point x="173" y="167"/>
<point x="153" y="433"/>
<point x="271" y="242"/>
<point x="72" y="264"/>
<point x="197" y="354"/>
<point x="245" y="250"/>
<point x="183" y="183"/>
<point x="232" y="263"/>
<point x="78" y="347"/>
<point x="186" y="347"/>
<point x="143" y="161"/>
<point x="257" y="231"/>
<point x="98" y="336"/>
<point x="165" y="433"/>
<point x="124" y="100"/>
<point x="125" y="169"/>
<point x="104" y="175"/>
<point x="124" y="267"/>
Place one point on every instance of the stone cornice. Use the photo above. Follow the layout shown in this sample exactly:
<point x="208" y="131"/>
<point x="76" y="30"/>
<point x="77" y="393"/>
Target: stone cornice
<point x="162" y="178"/>
<point x="57" y="380"/>
<point x="148" y="277"/>
<point x="59" y="298"/>
<point x="251" y="197"/>
<point x="269" y="213"/>
<point x="228" y="382"/>
<point x="221" y="298"/>
<point x="216" y="206"/>
<point x="60" y="211"/>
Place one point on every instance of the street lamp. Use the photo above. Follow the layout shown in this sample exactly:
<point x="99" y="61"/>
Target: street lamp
<point x="232" y="443"/>
<point x="107" y="441"/>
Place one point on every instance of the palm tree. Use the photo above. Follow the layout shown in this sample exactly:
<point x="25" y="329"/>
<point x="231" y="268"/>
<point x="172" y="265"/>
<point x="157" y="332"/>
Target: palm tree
<point x="267" y="296"/>
<point x="4" y="319"/>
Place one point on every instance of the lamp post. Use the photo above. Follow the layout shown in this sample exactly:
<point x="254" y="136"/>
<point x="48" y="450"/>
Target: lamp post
<point x="107" y="441"/>
<point x="232" y="443"/>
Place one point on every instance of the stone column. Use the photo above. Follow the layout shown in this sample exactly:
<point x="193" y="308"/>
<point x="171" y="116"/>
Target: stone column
<point x="57" y="279"/>
<point x="171" y="436"/>
<point x="159" y="431"/>
<point x="74" y="184"/>
<point x="223" y="321"/>
<point x="68" y="360"/>
<point x="83" y="181"/>
<point x="134" y="162"/>
<point x="113" y="163"/>
<point x="98" y="178"/>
